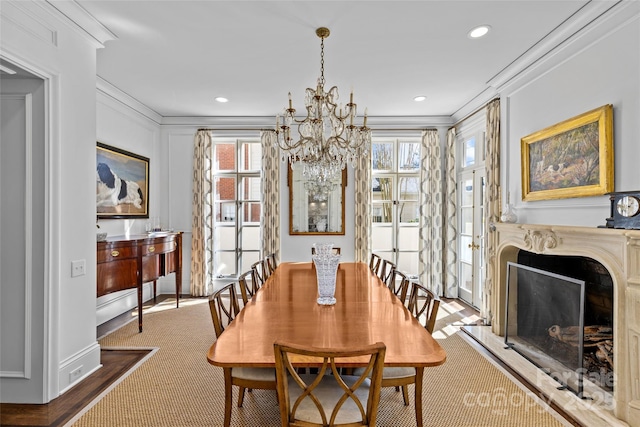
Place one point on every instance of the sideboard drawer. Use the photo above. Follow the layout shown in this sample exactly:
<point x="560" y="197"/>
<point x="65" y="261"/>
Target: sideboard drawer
<point x="115" y="253"/>
<point x="158" y="248"/>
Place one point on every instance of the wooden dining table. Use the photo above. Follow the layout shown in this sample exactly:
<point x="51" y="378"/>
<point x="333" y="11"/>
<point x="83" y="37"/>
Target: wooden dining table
<point x="365" y="312"/>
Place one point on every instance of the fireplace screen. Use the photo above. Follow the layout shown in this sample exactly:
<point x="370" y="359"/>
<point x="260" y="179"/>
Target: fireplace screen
<point x="545" y="322"/>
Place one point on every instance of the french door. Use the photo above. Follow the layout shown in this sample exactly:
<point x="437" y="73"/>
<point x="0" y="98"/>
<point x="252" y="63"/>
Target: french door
<point x="471" y="193"/>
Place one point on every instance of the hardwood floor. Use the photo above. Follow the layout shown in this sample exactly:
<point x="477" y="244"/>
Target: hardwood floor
<point x="115" y="363"/>
<point x="59" y="411"/>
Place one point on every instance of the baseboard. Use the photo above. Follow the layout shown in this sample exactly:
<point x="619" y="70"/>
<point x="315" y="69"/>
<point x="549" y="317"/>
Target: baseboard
<point x="79" y="366"/>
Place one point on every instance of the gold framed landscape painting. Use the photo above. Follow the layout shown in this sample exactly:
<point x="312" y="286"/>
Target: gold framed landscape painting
<point x="573" y="158"/>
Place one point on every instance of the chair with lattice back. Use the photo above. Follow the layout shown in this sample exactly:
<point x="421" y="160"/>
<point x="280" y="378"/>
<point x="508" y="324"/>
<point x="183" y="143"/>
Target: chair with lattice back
<point x="374" y="263"/>
<point x="386" y="271"/>
<point x="271" y="263"/>
<point x="223" y="306"/>
<point x="320" y="399"/>
<point x="399" y="285"/>
<point x="423" y="305"/>
<point x="247" y="286"/>
<point x="260" y="273"/>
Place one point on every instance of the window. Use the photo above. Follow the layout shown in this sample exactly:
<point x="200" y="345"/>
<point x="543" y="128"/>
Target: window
<point x="236" y="205"/>
<point x="395" y="201"/>
<point x="471" y="178"/>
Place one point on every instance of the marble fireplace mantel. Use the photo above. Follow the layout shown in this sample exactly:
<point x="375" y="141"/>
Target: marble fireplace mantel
<point x="619" y="252"/>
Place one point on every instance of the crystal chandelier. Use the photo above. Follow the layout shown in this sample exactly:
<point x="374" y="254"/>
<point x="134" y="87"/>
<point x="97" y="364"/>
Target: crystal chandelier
<point x="319" y="189"/>
<point x="328" y="137"/>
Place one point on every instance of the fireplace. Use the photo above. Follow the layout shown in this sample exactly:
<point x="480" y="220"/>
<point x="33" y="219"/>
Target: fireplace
<point x="560" y="317"/>
<point x="613" y="257"/>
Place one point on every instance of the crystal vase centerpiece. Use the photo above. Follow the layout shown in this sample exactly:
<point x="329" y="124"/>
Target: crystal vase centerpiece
<point x="326" y="264"/>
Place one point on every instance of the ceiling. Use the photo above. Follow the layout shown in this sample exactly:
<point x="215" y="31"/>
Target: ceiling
<point x="175" y="57"/>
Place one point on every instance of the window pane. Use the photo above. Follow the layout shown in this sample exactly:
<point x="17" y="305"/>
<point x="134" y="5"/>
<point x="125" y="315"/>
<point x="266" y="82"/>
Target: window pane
<point x="409" y="187"/>
<point x="381" y="212"/>
<point x="467" y="277"/>
<point x="409" y="212"/>
<point x="225" y="212"/>
<point x="225" y="188"/>
<point x="251" y="212"/>
<point x="225" y="238"/>
<point x="382" y="156"/>
<point x="225" y="263"/>
<point x="408" y="262"/>
<point x="408" y="156"/>
<point x="247" y="260"/>
<point x="251" y="238"/>
<point x="250" y="156"/>
<point x="467" y="192"/>
<point x="381" y="238"/>
<point x="250" y="188"/>
<point x="408" y="238"/>
<point x="224" y="157"/>
<point x="382" y="189"/>
<point x="466" y="254"/>
<point x="467" y="220"/>
<point x="469" y="152"/>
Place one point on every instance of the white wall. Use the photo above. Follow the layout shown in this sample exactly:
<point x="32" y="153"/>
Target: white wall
<point x="127" y="125"/>
<point x="594" y="69"/>
<point x="37" y="37"/>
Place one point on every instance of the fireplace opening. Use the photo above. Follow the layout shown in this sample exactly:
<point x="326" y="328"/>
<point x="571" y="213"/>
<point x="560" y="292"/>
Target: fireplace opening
<point x="560" y="317"/>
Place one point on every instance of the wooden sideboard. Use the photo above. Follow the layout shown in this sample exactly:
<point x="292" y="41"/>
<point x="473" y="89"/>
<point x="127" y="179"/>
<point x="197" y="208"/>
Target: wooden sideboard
<point x="127" y="262"/>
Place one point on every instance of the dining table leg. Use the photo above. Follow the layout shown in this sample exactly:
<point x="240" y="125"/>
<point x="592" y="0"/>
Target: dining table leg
<point x="418" y="394"/>
<point x="228" y="396"/>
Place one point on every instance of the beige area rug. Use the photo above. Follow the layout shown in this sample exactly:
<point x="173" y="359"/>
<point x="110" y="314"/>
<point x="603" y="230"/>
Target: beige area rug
<point x="178" y="387"/>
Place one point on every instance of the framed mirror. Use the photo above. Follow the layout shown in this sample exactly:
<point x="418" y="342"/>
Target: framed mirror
<point x="315" y="208"/>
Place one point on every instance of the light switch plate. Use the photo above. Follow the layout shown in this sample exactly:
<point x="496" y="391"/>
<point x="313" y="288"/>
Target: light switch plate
<point x="78" y="268"/>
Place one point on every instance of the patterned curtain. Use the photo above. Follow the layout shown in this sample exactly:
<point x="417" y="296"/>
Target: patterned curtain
<point x="270" y="221"/>
<point x="450" y="213"/>
<point x="202" y="218"/>
<point x="492" y="199"/>
<point x="362" y="223"/>
<point x="430" y="211"/>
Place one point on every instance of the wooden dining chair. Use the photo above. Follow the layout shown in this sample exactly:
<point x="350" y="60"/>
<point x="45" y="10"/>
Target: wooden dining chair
<point x="399" y="285"/>
<point x="271" y="263"/>
<point x="335" y="251"/>
<point x="247" y="286"/>
<point x="386" y="271"/>
<point x="321" y="399"/>
<point x="259" y="273"/>
<point x="423" y="305"/>
<point x="374" y="263"/>
<point x="223" y="305"/>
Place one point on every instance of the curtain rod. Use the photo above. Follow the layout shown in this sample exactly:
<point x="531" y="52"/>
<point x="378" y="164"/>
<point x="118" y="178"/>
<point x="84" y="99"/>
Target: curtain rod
<point x="473" y="112"/>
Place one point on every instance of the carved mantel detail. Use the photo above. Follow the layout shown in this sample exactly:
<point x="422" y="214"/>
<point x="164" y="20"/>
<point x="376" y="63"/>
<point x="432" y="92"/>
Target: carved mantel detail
<point x="618" y="250"/>
<point x="538" y="241"/>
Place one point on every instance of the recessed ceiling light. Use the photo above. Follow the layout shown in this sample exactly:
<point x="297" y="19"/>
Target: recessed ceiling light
<point x="420" y="98"/>
<point x="479" y="31"/>
<point x="221" y="99"/>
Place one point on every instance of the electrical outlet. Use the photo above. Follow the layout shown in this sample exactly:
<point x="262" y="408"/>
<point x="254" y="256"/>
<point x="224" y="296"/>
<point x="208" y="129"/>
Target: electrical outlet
<point x="78" y="268"/>
<point x="75" y="374"/>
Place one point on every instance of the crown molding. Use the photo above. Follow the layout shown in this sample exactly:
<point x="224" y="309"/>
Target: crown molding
<point x="268" y="122"/>
<point x="78" y="18"/>
<point x="118" y="95"/>
<point x="579" y="23"/>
